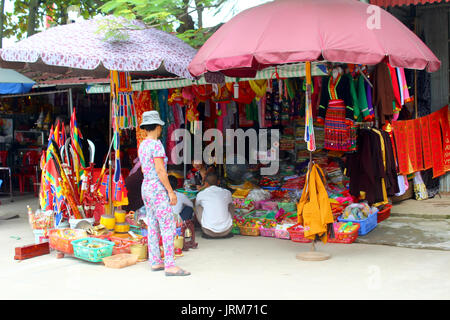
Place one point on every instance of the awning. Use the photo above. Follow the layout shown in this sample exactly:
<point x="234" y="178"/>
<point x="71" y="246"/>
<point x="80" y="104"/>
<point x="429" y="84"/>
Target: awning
<point x="394" y="3"/>
<point x="287" y="71"/>
<point x="12" y="82"/>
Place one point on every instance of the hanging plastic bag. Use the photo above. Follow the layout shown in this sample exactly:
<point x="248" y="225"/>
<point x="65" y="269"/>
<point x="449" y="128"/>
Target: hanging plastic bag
<point x="420" y="190"/>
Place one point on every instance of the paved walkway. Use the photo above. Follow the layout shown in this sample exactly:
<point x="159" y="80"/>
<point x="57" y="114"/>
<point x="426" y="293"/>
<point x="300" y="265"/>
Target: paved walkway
<point x="435" y="208"/>
<point x="237" y="268"/>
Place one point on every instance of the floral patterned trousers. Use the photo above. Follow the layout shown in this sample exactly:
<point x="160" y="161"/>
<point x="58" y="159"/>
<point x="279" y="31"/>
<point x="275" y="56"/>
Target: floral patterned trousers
<point x="160" y="220"/>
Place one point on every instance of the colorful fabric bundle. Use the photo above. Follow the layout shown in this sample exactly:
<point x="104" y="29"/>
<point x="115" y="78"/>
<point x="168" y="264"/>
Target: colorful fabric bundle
<point x="122" y="92"/>
<point x="309" y="121"/>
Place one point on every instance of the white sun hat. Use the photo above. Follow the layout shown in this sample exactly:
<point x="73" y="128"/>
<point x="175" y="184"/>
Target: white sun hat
<point x="151" y="117"/>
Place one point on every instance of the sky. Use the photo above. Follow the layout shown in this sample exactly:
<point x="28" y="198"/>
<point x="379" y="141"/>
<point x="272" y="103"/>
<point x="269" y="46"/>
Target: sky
<point x="210" y="19"/>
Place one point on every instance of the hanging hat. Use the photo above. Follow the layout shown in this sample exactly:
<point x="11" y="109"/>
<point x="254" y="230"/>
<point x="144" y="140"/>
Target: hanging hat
<point x="151" y="117"/>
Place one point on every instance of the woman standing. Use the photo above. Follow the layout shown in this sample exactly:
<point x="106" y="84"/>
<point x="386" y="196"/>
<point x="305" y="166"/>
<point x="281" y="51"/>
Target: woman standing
<point x="158" y="196"/>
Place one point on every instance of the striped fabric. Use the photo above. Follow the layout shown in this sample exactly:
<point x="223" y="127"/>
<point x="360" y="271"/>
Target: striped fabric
<point x="337" y="131"/>
<point x="286" y="71"/>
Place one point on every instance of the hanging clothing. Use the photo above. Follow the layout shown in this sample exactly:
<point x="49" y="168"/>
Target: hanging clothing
<point x="336" y="108"/>
<point x="391" y="181"/>
<point x="362" y="98"/>
<point x="335" y="89"/>
<point x="337" y="132"/>
<point x="370" y="101"/>
<point x="371" y="169"/>
<point x="383" y="92"/>
<point x="395" y="86"/>
<point x="357" y="116"/>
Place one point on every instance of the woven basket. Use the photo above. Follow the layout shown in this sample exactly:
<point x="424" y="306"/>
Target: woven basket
<point x="249" y="231"/>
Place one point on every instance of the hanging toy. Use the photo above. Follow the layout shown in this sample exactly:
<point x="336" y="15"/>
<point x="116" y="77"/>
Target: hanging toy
<point x="175" y="97"/>
<point x="192" y="115"/>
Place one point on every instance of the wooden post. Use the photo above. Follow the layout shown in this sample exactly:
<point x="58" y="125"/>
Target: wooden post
<point x="312" y="255"/>
<point x="111" y="104"/>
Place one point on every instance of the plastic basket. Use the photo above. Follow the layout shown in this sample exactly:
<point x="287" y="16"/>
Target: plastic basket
<point x="366" y="225"/>
<point x="282" y="234"/>
<point x="60" y="239"/>
<point x="385" y="213"/>
<point x="267" y="232"/>
<point x="120" y="261"/>
<point x="92" y="254"/>
<point x="342" y="237"/>
<point x="297" y="235"/>
<point x="249" y="231"/>
<point x="120" y="241"/>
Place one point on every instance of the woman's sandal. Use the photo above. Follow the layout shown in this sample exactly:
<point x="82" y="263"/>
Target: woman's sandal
<point x="180" y="273"/>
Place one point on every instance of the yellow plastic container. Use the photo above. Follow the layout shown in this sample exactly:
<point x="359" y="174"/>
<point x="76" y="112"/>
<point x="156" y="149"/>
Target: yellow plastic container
<point x="178" y="242"/>
<point x="120" y="217"/>
<point x="140" y="250"/>
<point x="122" y="227"/>
<point x="108" y="221"/>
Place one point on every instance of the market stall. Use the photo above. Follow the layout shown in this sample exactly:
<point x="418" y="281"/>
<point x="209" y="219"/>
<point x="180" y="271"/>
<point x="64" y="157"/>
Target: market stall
<point x="319" y="150"/>
<point x="241" y="48"/>
<point x="66" y="169"/>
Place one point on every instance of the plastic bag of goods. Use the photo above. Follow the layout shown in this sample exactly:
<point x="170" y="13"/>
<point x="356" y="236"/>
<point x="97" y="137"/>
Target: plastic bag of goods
<point x="356" y="211"/>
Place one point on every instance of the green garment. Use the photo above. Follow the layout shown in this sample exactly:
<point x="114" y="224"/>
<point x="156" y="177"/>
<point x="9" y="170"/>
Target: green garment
<point x="155" y="100"/>
<point x="362" y="98"/>
<point x="251" y="111"/>
<point x="356" y="108"/>
<point x="290" y="88"/>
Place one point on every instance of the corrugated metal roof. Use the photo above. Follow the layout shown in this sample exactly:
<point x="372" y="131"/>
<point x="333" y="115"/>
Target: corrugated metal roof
<point x="393" y="3"/>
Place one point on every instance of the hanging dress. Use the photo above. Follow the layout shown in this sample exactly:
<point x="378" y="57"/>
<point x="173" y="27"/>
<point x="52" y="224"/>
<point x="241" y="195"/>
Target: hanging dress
<point x="336" y="108"/>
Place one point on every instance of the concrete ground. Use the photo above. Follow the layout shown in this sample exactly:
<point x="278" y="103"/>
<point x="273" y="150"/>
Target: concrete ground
<point x="435" y="208"/>
<point x="237" y="268"/>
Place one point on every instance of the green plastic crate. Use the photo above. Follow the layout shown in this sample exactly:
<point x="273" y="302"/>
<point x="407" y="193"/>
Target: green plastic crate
<point x="92" y="254"/>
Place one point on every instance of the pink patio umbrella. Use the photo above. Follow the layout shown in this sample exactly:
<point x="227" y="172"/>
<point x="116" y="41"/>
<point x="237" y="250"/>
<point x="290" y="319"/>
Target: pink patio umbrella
<point x="81" y="45"/>
<point x="287" y="31"/>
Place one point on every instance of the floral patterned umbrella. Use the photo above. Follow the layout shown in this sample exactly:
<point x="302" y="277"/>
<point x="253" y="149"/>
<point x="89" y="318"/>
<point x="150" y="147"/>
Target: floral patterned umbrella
<point x="81" y="45"/>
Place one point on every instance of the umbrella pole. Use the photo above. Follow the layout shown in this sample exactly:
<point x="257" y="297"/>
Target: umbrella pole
<point x="312" y="255"/>
<point x="110" y="208"/>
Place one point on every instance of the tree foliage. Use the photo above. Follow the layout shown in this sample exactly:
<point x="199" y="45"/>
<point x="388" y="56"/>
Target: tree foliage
<point x="184" y="17"/>
<point x="29" y="17"/>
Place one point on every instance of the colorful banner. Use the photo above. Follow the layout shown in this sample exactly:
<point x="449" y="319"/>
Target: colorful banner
<point x="424" y="143"/>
